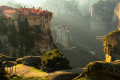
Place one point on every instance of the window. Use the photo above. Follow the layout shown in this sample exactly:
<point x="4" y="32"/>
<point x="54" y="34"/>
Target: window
<point x="46" y="16"/>
<point x="34" y="19"/>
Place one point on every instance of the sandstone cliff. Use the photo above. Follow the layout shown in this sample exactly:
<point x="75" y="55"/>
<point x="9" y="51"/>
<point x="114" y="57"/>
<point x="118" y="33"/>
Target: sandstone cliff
<point x="23" y="40"/>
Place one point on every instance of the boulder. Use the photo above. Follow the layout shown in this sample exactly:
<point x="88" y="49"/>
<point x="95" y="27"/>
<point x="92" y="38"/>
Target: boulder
<point x="34" y="61"/>
<point x="61" y="75"/>
<point x="6" y="58"/>
<point x="9" y="63"/>
<point x="101" y="70"/>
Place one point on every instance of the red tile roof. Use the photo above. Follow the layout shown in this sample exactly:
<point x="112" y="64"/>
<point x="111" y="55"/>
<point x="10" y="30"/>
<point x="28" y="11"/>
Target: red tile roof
<point x="27" y="11"/>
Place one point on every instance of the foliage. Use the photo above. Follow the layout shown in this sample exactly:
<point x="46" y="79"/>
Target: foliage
<point x="3" y="27"/>
<point x="2" y="71"/>
<point x="13" y="36"/>
<point x="54" y="60"/>
<point x="26" y="39"/>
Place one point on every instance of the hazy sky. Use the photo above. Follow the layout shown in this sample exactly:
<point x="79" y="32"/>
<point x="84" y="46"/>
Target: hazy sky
<point x="33" y="2"/>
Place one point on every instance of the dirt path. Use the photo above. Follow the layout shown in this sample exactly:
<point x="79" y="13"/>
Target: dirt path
<point x="26" y="71"/>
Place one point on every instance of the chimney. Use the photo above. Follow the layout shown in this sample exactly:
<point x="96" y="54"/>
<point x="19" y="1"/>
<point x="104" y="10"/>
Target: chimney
<point x="24" y="6"/>
<point x="33" y="7"/>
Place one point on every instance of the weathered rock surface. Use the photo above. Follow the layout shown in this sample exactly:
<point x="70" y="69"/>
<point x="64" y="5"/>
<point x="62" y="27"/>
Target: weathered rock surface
<point x="101" y="70"/>
<point x="6" y="58"/>
<point x="9" y="63"/>
<point x="34" y="61"/>
<point x="102" y="15"/>
<point x="61" y="75"/>
<point x="112" y="46"/>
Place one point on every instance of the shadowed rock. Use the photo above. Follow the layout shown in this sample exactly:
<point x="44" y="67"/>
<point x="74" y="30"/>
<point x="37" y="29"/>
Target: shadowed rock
<point x="9" y="63"/>
<point x="101" y="70"/>
<point x="61" y="75"/>
<point x="6" y="58"/>
<point x="34" y="61"/>
<point x="112" y="46"/>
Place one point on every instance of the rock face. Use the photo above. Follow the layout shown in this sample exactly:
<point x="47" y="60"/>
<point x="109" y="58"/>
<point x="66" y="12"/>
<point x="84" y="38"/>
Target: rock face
<point x="34" y="61"/>
<point x="85" y="5"/>
<point x="61" y="75"/>
<point x="102" y="15"/>
<point x="61" y="6"/>
<point x="24" y="34"/>
<point x="9" y="63"/>
<point x="112" y="46"/>
<point x="6" y="58"/>
<point x="101" y="70"/>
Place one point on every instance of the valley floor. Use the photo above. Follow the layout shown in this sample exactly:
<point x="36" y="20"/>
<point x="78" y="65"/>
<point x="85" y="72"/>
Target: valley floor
<point x="30" y="72"/>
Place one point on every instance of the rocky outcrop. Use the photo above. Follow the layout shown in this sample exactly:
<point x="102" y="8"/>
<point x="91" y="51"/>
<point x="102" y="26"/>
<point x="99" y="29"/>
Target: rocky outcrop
<point x="61" y="75"/>
<point x="34" y="61"/>
<point x="101" y="70"/>
<point x="102" y="15"/>
<point x="61" y="6"/>
<point x="112" y="46"/>
<point x="6" y="58"/>
<point x="9" y="63"/>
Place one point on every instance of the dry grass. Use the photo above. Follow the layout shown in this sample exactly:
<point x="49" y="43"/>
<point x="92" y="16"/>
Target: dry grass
<point x="26" y="71"/>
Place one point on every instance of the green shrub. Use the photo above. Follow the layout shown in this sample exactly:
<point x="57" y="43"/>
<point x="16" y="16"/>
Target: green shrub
<point x="2" y="71"/>
<point x="54" y="60"/>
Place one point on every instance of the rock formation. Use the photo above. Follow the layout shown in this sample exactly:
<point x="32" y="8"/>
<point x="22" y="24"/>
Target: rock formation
<point x="62" y="36"/>
<point x="4" y="58"/>
<point x="61" y="6"/>
<point x="101" y="70"/>
<point x="34" y="61"/>
<point x="102" y="15"/>
<point x="108" y="69"/>
<point x="25" y="31"/>
<point x="111" y="46"/>
<point x="84" y="6"/>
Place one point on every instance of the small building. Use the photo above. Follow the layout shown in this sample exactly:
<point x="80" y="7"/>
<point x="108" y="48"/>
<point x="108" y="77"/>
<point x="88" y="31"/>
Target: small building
<point x="36" y="17"/>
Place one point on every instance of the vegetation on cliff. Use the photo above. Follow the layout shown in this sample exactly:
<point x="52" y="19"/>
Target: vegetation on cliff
<point x="54" y="60"/>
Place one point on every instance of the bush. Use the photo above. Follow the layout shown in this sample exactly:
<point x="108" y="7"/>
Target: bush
<point x="54" y="60"/>
<point x="2" y="71"/>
